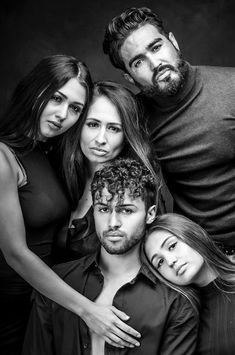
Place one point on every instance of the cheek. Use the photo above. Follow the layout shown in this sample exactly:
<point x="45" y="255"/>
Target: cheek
<point x="168" y="274"/>
<point x="117" y="144"/>
<point x="84" y="139"/>
<point x="100" y="223"/>
<point x="71" y="121"/>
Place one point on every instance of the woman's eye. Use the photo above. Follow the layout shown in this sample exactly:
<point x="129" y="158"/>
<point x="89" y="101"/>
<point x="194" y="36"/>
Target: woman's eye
<point x="160" y="262"/>
<point x="76" y="109"/>
<point x="56" y="98"/>
<point x="172" y="246"/>
<point x="92" y="124"/>
<point x="115" y="129"/>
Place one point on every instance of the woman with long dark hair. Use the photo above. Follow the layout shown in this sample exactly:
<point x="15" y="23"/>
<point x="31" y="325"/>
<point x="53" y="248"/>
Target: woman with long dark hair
<point x="44" y="112"/>
<point x="181" y="254"/>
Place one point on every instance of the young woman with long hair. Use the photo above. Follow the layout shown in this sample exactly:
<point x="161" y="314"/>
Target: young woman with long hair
<point x="181" y="254"/>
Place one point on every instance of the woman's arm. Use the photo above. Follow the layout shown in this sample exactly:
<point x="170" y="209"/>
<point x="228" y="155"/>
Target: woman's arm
<point x="105" y="321"/>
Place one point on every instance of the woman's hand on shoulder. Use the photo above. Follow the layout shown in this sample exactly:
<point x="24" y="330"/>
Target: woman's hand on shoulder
<point x="109" y="323"/>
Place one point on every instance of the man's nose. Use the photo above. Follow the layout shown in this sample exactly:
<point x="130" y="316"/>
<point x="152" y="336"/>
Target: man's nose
<point x="114" y="220"/>
<point x="154" y="62"/>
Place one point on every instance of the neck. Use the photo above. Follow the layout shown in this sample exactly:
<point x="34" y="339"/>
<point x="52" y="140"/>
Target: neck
<point x="206" y="276"/>
<point x="93" y="167"/>
<point x="119" y="264"/>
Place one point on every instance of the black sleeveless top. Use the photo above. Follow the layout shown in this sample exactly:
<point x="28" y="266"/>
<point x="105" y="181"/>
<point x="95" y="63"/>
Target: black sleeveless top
<point x="44" y="206"/>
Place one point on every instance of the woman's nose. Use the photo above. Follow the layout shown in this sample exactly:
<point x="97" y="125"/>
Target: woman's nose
<point x="171" y="260"/>
<point x="101" y="136"/>
<point x="62" y="112"/>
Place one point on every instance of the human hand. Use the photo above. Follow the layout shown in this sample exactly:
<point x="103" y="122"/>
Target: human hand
<point x="108" y="323"/>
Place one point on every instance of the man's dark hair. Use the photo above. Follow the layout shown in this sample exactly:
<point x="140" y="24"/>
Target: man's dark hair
<point x="125" y="174"/>
<point x="122" y="26"/>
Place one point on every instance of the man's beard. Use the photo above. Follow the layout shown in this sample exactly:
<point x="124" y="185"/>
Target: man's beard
<point x="127" y="245"/>
<point x="168" y="86"/>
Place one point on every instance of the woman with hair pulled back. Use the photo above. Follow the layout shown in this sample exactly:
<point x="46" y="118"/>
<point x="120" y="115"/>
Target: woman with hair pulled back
<point x="180" y="254"/>
<point x="44" y="113"/>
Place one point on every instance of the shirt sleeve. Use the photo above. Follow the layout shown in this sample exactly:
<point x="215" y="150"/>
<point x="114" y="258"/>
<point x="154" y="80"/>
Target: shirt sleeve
<point x="38" y="338"/>
<point x="180" y="337"/>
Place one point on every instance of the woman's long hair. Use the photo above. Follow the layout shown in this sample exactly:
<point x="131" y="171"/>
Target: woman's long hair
<point x="197" y="238"/>
<point x="19" y="125"/>
<point x="136" y="141"/>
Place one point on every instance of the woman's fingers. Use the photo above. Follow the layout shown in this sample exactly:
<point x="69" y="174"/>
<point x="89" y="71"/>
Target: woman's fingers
<point x="121" y="339"/>
<point x="108" y="323"/>
<point x="123" y="326"/>
<point x="117" y="342"/>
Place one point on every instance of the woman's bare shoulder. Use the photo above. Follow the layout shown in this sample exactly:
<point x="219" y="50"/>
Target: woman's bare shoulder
<point x="8" y="163"/>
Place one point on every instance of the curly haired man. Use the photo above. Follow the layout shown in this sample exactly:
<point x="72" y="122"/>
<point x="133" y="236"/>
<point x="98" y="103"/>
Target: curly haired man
<point x="124" y="203"/>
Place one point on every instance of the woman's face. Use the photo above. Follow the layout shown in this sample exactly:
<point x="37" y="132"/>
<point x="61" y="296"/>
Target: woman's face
<point x="62" y="110"/>
<point x="102" y="137"/>
<point x="175" y="260"/>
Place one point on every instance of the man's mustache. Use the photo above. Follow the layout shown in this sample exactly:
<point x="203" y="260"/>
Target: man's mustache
<point x="161" y="68"/>
<point x="112" y="232"/>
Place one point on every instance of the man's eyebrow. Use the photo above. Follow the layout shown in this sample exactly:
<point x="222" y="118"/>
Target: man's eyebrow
<point x="100" y="203"/>
<point x="155" y="41"/>
<point x="65" y="97"/>
<point x="137" y="56"/>
<point x="149" y="46"/>
<point x="125" y="205"/>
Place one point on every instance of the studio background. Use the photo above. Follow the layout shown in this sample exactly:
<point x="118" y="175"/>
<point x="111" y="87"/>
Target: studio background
<point x="33" y="29"/>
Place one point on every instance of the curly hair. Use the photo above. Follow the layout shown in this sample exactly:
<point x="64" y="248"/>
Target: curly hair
<point x="125" y="174"/>
<point x="120" y="27"/>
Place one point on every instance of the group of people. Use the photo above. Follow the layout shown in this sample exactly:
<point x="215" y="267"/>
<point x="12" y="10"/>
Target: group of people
<point x="80" y="186"/>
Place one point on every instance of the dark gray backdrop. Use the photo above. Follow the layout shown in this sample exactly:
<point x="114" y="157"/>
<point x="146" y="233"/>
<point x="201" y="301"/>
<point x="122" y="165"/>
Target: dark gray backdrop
<point x="32" y="29"/>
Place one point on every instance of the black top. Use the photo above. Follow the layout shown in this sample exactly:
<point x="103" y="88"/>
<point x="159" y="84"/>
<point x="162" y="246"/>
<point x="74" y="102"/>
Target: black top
<point x="165" y="319"/>
<point x="44" y="206"/>
<point x="217" y="325"/>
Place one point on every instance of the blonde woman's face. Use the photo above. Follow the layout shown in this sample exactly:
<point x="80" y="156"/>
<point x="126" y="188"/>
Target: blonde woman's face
<point x="175" y="260"/>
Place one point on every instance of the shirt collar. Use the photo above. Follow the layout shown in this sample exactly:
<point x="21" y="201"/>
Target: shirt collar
<point x="92" y="261"/>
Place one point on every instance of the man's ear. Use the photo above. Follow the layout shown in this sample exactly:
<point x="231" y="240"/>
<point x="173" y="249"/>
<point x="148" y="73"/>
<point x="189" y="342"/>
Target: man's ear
<point x="151" y="214"/>
<point x="128" y="78"/>
<point x="173" y="40"/>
